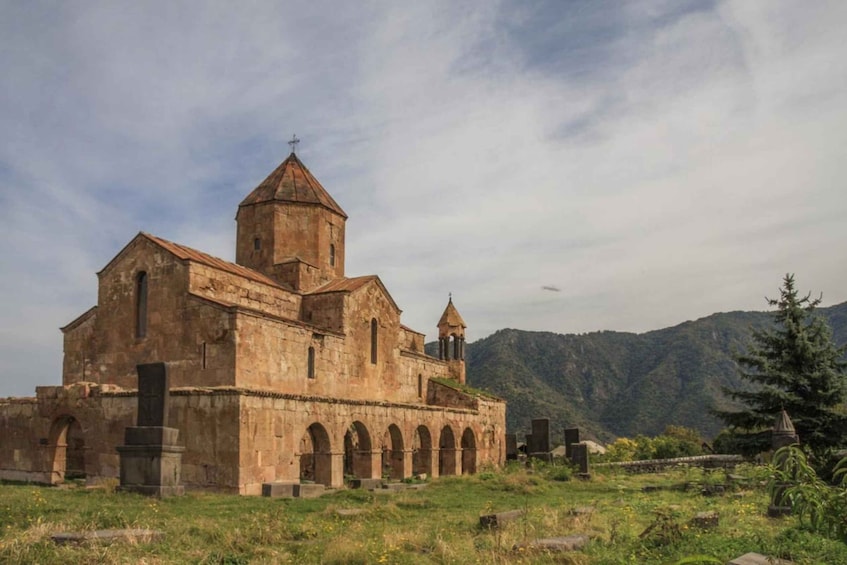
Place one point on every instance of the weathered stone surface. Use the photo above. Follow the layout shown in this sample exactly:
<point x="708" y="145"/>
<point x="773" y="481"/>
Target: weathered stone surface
<point x="310" y="362"/>
<point x="758" y="559"/>
<point x="281" y="489"/>
<point x="573" y="542"/>
<point x="153" y="395"/>
<point x="108" y="536"/>
<point x="367" y="484"/>
<point x="308" y="491"/>
<point x="571" y="437"/>
<point x="705" y="520"/>
<point x="499" y="519"/>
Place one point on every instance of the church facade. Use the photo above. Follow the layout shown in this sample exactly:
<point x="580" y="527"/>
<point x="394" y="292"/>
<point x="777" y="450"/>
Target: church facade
<point x="281" y="367"/>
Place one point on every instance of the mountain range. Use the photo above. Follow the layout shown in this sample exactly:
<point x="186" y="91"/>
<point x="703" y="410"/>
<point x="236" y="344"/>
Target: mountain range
<point x="612" y="384"/>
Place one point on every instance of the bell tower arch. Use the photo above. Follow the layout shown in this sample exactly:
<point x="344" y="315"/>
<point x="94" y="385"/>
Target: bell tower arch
<point x="451" y="341"/>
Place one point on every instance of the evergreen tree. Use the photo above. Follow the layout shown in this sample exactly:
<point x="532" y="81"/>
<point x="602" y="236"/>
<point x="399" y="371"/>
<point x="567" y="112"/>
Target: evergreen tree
<point x="794" y="366"/>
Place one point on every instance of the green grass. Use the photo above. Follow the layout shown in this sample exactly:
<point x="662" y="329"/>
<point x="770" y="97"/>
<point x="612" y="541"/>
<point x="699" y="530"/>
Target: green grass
<point x="439" y="524"/>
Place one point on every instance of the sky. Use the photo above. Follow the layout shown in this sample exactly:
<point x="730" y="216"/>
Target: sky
<point x="564" y="166"/>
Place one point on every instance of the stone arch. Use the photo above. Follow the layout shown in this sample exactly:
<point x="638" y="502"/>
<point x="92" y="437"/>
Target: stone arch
<point x="358" y="452"/>
<point x="422" y="451"/>
<point x="468" y="452"/>
<point x="447" y="452"/>
<point x="316" y="455"/>
<point x="393" y="451"/>
<point x="68" y="445"/>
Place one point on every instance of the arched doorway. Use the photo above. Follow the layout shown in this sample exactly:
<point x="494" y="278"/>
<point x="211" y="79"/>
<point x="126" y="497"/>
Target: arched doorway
<point x="447" y="452"/>
<point x="358" y="453"/>
<point x="68" y="443"/>
<point x="468" y="452"/>
<point x="392" y="453"/>
<point x="316" y="455"/>
<point x="422" y="452"/>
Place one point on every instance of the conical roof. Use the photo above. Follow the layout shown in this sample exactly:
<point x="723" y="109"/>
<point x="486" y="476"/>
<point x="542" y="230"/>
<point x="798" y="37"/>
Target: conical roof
<point x="451" y="317"/>
<point x="783" y="424"/>
<point x="292" y="182"/>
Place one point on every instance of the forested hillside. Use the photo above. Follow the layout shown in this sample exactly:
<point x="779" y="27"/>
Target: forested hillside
<point x="621" y="384"/>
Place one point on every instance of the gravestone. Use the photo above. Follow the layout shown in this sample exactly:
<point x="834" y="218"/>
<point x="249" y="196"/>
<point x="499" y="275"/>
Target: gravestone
<point x="783" y="434"/>
<point x="151" y="461"/>
<point x="539" y="442"/>
<point x="579" y="456"/>
<point x="571" y="437"/>
<point x="511" y="447"/>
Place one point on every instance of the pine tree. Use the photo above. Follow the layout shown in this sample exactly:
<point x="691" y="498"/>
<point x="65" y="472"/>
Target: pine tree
<point x="794" y="366"/>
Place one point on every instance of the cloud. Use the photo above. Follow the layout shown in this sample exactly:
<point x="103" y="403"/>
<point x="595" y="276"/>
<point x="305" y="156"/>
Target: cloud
<point x="659" y="161"/>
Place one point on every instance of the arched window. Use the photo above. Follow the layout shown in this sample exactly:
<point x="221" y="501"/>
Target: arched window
<point x="311" y="363"/>
<point x="373" y="340"/>
<point x="141" y="305"/>
<point x="257" y="244"/>
<point x="331" y="254"/>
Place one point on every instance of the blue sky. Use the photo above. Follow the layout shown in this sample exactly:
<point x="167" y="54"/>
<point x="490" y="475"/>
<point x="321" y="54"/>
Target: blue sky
<point x="654" y="161"/>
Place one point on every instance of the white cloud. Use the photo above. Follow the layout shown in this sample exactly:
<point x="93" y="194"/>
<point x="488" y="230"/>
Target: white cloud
<point x="656" y="163"/>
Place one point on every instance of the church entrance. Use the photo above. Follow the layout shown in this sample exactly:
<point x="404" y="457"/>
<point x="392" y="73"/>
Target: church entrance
<point x="68" y="443"/>
<point x="358" y="453"/>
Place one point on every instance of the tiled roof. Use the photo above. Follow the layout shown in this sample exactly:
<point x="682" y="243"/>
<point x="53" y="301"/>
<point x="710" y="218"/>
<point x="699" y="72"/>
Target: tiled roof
<point x="344" y="284"/>
<point x="189" y="254"/>
<point x="292" y="182"/>
<point x="451" y="317"/>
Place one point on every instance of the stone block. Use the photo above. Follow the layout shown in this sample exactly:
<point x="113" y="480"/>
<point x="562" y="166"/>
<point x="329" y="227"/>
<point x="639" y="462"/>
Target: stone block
<point x="108" y="536"/>
<point x="540" y="436"/>
<point x="571" y="437"/>
<point x="280" y="489"/>
<point x="308" y="490"/>
<point x="367" y="484"/>
<point x="511" y="447"/>
<point x="573" y="542"/>
<point x="500" y="518"/>
<point x="150" y="435"/>
<point x="153" y="397"/>
<point x="753" y="558"/>
<point x="705" y="520"/>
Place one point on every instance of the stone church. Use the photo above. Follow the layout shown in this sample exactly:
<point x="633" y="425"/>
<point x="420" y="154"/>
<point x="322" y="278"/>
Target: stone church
<point x="281" y="367"/>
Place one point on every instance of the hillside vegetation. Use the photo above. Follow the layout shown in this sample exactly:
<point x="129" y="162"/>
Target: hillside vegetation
<point x="621" y="384"/>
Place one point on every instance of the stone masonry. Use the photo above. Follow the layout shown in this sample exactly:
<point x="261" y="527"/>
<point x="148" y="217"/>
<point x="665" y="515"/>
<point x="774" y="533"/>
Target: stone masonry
<point x="281" y="367"/>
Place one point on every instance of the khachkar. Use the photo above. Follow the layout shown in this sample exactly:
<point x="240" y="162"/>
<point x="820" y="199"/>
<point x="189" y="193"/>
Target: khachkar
<point x="151" y="461"/>
<point x="782" y="435"/>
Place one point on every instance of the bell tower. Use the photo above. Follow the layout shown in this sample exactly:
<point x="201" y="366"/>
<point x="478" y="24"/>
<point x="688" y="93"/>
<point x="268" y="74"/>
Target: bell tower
<point x="291" y="229"/>
<point x="451" y="341"/>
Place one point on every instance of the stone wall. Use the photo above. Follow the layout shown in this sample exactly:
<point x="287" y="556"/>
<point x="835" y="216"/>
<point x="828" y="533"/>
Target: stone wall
<point x="226" y="287"/>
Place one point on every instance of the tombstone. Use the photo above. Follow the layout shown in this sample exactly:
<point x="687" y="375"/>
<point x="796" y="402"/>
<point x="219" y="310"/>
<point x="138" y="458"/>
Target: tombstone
<point x="539" y="442"/>
<point x="782" y="434"/>
<point x="511" y="447"/>
<point x="151" y="461"/>
<point x="579" y="456"/>
<point x="571" y="437"/>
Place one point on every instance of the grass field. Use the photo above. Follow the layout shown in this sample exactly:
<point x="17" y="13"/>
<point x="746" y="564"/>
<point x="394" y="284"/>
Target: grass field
<point x="437" y="524"/>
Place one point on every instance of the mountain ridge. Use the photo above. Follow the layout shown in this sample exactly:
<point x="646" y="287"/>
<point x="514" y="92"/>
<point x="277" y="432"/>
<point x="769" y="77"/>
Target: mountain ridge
<point x="612" y="383"/>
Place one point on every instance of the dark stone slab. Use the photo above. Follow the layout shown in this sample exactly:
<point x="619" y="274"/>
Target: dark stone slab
<point x="150" y="435"/>
<point x="152" y="394"/>
<point x="500" y="518"/>
<point x="367" y="484"/>
<point x="705" y="520"/>
<point x="571" y="437"/>
<point x="540" y="436"/>
<point x="108" y="536"/>
<point x="753" y="558"/>
<point x="511" y="447"/>
<point x="279" y="489"/>
<point x="579" y="456"/>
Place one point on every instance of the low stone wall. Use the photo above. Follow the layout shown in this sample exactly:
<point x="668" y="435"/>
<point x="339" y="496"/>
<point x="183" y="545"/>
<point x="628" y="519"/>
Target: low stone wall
<point x="655" y="465"/>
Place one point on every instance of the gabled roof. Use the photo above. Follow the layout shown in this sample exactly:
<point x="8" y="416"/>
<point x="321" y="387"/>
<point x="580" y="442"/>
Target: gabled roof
<point x="188" y="254"/>
<point x="451" y="317"/>
<point x="345" y="284"/>
<point x="292" y="182"/>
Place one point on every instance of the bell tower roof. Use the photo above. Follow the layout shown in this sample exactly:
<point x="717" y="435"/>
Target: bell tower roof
<point x="451" y="321"/>
<point x="292" y="182"/>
